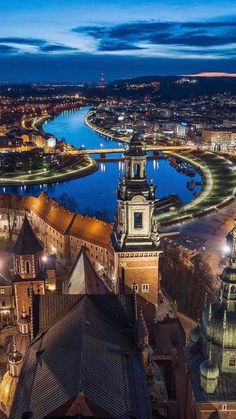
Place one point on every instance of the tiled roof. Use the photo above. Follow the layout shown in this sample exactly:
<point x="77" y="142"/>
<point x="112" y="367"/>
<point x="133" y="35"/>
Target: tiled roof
<point x="90" y="352"/>
<point x="47" y="310"/>
<point x="91" y="229"/>
<point x="61" y="219"/>
<point x="53" y="213"/>
<point x="226" y="388"/>
<point x="27" y="243"/>
<point x="83" y="278"/>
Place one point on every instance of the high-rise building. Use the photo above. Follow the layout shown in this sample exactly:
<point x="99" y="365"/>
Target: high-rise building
<point x="135" y="237"/>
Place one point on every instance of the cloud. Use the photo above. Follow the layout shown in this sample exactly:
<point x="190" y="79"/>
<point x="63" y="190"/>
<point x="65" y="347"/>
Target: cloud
<point x="147" y="34"/>
<point x="217" y="24"/>
<point x="56" y="48"/>
<point x="22" y="41"/>
<point x="41" y="45"/>
<point x="117" y="46"/>
<point x="6" y="49"/>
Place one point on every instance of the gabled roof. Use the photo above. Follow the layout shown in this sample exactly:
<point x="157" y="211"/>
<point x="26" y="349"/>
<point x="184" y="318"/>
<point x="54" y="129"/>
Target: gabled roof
<point x="83" y="278"/>
<point x="27" y="243"/>
<point x="87" y="351"/>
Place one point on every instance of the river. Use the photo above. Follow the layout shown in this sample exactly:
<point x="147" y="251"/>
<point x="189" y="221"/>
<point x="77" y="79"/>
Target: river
<point x="97" y="192"/>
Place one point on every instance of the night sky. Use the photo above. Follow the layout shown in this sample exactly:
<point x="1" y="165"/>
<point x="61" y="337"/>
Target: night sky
<point x="76" y="40"/>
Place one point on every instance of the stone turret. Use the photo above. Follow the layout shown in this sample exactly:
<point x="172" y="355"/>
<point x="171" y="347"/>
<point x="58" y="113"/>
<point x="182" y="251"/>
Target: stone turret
<point x="209" y="375"/>
<point x="27" y="252"/>
<point x="24" y="322"/>
<point x="10" y="379"/>
<point x="28" y="273"/>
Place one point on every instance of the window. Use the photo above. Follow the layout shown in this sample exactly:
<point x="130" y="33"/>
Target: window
<point x="145" y="287"/>
<point x="136" y="170"/>
<point x="232" y="362"/>
<point x="138" y="220"/>
<point x="135" y="287"/>
<point x="17" y="266"/>
<point x="3" y="303"/>
<point x="27" y="267"/>
<point x="2" y="291"/>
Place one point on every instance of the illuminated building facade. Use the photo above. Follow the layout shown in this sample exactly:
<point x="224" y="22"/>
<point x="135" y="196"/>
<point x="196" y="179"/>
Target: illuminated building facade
<point x="135" y="236"/>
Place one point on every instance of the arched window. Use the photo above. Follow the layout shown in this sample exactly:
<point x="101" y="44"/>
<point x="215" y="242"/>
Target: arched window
<point x="136" y="170"/>
<point x="27" y="266"/>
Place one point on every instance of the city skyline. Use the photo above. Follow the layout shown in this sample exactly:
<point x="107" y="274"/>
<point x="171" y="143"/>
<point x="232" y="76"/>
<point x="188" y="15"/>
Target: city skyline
<point x="74" y="41"/>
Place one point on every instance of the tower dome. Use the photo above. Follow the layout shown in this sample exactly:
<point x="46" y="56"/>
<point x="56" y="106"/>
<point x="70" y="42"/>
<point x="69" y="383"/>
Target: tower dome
<point x="209" y="375"/>
<point x="219" y="319"/>
<point x="10" y="379"/>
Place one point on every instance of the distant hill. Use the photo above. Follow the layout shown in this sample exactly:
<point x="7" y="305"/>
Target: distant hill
<point x="171" y="88"/>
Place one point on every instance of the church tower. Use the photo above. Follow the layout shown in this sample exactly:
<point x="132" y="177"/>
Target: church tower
<point x="27" y="267"/>
<point x="135" y="236"/>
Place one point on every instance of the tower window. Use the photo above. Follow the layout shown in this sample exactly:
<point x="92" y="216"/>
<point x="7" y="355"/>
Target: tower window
<point x="145" y="287"/>
<point x="136" y="170"/>
<point x="138" y="220"/>
<point x="232" y="362"/>
<point x="27" y="267"/>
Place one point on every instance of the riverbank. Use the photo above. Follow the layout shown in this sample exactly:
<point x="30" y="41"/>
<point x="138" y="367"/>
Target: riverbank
<point x="103" y="132"/>
<point x="219" y="188"/>
<point x="84" y="167"/>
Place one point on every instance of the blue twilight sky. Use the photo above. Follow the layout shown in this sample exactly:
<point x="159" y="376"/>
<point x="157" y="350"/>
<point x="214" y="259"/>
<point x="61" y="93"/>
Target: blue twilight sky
<point x="76" y="40"/>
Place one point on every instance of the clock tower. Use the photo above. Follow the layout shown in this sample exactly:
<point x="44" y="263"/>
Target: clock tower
<point x="135" y="235"/>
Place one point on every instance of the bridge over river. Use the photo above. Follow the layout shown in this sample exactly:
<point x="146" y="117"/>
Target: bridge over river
<point x="104" y="151"/>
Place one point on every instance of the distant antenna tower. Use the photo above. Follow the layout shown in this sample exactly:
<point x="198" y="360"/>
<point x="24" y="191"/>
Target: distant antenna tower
<point x="101" y="83"/>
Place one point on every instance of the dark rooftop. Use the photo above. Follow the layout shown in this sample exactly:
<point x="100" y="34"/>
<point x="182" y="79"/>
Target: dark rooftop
<point x="226" y="389"/>
<point x="90" y="353"/>
<point x="27" y="243"/>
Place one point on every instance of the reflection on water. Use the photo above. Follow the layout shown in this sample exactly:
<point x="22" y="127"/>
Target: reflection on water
<point x="98" y="191"/>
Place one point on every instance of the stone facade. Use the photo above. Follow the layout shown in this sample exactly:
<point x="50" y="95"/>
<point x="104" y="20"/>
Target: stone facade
<point x="135" y="236"/>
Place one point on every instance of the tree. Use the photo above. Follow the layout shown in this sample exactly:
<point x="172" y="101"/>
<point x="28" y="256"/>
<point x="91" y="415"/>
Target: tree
<point x="9" y="211"/>
<point x="68" y="202"/>
<point x="186" y="280"/>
